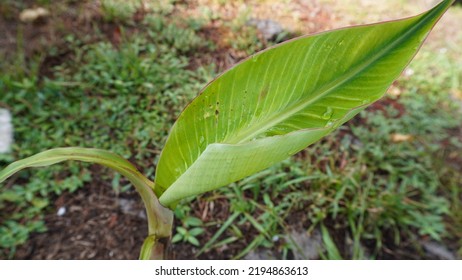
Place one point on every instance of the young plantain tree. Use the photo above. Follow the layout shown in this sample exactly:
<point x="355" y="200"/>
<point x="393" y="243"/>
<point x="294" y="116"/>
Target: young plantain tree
<point x="261" y="111"/>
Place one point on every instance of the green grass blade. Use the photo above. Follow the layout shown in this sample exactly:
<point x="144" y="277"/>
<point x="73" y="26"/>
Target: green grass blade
<point x="222" y="229"/>
<point x="257" y="225"/>
<point x="283" y="99"/>
<point x="329" y="244"/>
<point x="254" y="244"/>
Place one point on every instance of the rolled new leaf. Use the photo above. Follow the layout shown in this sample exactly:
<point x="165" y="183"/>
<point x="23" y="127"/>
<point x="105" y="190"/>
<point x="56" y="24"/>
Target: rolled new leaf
<point x="283" y="99"/>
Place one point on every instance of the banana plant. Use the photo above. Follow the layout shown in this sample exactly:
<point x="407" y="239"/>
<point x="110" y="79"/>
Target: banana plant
<point x="261" y="111"/>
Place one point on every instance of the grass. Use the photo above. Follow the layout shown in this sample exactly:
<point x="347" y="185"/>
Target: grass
<point x="387" y="180"/>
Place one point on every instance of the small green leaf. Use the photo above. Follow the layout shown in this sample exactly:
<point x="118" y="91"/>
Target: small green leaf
<point x="40" y="203"/>
<point x="182" y="231"/>
<point x="283" y="99"/>
<point x="10" y="196"/>
<point x="193" y="222"/>
<point x="177" y="238"/>
<point x="196" y="231"/>
<point x="193" y="240"/>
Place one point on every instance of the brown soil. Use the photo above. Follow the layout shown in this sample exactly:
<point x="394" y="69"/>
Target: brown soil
<point x="93" y="227"/>
<point x="35" y="38"/>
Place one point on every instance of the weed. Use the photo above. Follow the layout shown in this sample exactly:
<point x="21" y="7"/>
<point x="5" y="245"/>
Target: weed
<point x="119" y="10"/>
<point x="191" y="228"/>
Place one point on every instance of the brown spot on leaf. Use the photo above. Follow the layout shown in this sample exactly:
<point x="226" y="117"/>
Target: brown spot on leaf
<point x="263" y="93"/>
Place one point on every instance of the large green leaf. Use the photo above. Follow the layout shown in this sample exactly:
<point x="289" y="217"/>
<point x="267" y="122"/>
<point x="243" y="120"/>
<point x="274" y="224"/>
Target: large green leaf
<point x="283" y="99"/>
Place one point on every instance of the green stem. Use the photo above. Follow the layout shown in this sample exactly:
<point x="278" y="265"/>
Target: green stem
<point x="160" y="221"/>
<point x="155" y="248"/>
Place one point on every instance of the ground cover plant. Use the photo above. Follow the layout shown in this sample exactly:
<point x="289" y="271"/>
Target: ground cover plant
<point x="244" y="208"/>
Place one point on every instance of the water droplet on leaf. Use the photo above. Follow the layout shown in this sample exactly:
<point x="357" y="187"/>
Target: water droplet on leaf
<point x="328" y="113"/>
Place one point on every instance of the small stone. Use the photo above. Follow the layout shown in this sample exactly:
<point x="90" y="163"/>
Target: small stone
<point x="269" y="28"/>
<point x="307" y="245"/>
<point x="304" y="246"/>
<point x="6" y="131"/>
<point x="408" y="72"/>
<point x="395" y="91"/>
<point x="397" y="137"/>
<point x="260" y="254"/>
<point x="31" y="15"/>
<point x="61" y="211"/>
<point x="130" y="207"/>
<point x="437" y="251"/>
